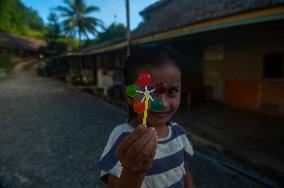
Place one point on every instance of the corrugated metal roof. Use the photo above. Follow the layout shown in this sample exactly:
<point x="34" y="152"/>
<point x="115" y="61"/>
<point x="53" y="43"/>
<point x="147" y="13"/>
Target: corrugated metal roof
<point x="168" y="15"/>
<point x="178" y="13"/>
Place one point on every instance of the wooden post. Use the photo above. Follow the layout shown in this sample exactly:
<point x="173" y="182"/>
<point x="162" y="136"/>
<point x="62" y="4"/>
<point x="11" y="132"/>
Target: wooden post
<point x="128" y="27"/>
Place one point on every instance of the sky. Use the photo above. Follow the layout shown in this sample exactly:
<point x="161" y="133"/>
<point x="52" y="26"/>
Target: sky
<point x="110" y="10"/>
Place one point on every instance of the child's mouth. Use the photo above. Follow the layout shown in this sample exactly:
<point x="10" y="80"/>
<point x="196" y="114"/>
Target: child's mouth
<point x="161" y="114"/>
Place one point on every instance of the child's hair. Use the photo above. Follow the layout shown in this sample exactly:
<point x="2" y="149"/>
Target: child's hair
<point x="147" y="55"/>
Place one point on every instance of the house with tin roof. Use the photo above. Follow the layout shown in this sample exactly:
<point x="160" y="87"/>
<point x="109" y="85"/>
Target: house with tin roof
<point x="231" y="50"/>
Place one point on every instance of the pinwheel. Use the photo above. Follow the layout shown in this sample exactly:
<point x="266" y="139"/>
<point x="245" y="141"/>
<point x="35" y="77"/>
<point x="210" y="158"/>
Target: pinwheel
<point x="141" y="106"/>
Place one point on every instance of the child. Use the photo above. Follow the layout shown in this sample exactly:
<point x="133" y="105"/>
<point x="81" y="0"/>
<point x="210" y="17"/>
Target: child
<point x="157" y="156"/>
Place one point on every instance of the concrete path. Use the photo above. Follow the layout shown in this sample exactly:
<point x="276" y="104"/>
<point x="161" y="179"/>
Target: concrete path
<point x="51" y="136"/>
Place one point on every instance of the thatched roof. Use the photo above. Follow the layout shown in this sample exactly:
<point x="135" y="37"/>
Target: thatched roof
<point x="27" y="44"/>
<point x="170" y="14"/>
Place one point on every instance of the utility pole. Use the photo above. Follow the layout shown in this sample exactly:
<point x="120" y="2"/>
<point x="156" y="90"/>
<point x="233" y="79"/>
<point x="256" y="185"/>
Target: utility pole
<point x="128" y="27"/>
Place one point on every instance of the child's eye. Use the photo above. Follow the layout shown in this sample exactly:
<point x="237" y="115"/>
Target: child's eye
<point x="173" y="91"/>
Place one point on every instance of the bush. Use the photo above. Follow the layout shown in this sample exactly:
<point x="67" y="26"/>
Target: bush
<point x="5" y="62"/>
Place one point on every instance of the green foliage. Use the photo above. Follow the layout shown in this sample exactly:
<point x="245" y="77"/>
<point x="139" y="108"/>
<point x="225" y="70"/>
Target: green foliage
<point x="53" y="29"/>
<point x="5" y="62"/>
<point x="17" y="19"/>
<point x="52" y="35"/>
<point x="57" y="43"/>
<point x="33" y="20"/>
<point x="69" y="41"/>
<point x="112" y="32"/>
<point x="34" y="34"/>
<point x="77" y="19"/>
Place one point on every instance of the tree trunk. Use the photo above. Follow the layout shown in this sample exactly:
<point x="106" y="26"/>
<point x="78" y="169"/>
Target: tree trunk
<point x="128" y="27"/>
<point x="80" y="38"/>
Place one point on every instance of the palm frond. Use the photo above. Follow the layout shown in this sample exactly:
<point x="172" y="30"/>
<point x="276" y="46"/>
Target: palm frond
<point x="65" y="12"/>
<point x="91" y="9"/>
<point x="77" y="20"/>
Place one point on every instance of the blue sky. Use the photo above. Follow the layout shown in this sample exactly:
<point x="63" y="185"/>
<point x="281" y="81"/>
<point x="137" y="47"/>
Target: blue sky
<point x="110" y="10"/>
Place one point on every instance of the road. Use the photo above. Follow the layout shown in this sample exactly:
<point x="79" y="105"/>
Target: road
<point x="53" y="136"/>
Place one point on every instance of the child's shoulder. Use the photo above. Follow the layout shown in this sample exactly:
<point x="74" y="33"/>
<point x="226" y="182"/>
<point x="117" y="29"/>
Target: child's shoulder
<point x="179" y="131"/>
<point x="121" y="129"/>
<point x="117" y="135"/>
<point x="177" y="128"/>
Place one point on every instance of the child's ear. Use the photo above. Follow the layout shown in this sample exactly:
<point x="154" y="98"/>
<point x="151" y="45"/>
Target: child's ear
<point x="128" y="99"/>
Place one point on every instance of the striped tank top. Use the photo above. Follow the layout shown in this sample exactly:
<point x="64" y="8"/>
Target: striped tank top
<point x="168" y="165"/>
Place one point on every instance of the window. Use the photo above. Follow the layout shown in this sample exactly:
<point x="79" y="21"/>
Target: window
<point x="273" y="66"/>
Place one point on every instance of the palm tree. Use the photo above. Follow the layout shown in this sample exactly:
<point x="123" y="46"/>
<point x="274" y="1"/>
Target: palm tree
<point x="53" y="28"/>
<point x="77" y="19"/>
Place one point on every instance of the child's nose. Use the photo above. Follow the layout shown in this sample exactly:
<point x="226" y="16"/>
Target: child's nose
<point x="165" y="100"/>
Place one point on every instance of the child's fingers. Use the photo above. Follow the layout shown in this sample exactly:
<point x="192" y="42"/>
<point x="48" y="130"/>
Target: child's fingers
<point x="129" y="140"/>
<point x="139" y="156"/>
<point x="136" y="147"/>
<point x="143" y="167"/>
<point x="154" y="149"/>
<point x="147" y="150"/>
<point x="140" y="130"/>
<point x="125" y="144"/>
<point x="148" y="162"/>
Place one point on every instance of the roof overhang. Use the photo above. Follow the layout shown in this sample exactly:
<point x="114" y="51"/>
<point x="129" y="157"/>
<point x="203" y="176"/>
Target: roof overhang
<point x="259" y="16"/>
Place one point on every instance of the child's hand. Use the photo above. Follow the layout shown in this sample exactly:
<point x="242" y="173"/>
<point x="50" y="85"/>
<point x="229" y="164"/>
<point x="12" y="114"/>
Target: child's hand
<point x="136" y="152"/>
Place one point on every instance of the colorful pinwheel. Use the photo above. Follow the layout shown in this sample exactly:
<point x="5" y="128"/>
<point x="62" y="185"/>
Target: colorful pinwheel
<point x="156" y="105"/>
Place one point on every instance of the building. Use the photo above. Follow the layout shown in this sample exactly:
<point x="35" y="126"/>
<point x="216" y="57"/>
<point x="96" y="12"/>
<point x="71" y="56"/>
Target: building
<point x="232" y="51"/>
<point x="22" y="45"/>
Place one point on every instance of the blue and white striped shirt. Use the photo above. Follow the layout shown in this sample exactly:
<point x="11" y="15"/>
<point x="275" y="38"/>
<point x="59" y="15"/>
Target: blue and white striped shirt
<point x="168" y="165"/>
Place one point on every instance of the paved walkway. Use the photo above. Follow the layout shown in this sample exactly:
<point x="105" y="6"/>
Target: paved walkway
<point x="51" y="136"/>
<point x="253" y="139"/>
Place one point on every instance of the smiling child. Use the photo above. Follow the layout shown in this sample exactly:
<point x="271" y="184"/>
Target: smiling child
<point x="156" y="155"/>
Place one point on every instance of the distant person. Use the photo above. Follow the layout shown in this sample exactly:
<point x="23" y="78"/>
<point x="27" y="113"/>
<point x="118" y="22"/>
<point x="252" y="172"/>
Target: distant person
<point x="42" y="69"/>
<point x="157" y="156"/>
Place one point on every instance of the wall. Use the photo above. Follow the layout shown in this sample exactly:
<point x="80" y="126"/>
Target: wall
<point x="104" y="79"/>
<point x="213" y="68"/>
<point x="190" y="58"/>
<point x="272" y="99"/>
<point x="242" y="70"/>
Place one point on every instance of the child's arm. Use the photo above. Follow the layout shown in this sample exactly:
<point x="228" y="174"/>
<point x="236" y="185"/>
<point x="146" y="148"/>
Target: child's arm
<point x="188" y="178"/>
<point x="135" y="153"/>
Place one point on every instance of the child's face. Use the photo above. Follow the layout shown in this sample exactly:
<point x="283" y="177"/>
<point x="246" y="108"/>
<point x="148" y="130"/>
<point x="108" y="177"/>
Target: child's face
<point x="171" y="75"/>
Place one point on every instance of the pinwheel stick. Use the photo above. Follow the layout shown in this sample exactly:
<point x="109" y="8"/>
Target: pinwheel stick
<point x="146" y="110"/>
